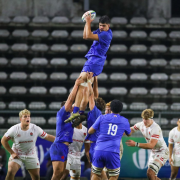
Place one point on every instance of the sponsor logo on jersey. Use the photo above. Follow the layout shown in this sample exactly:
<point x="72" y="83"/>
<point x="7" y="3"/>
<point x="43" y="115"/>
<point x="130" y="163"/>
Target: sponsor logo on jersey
<point x="31" y="134"/>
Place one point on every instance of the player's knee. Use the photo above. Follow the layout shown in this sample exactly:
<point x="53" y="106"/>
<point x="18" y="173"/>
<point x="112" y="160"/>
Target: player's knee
<point x="36" y="177"/>
<point x="57" y="173"/>
<point x="11" y="172"/>
<point x="150" y="173"/>
<point x="75" y="174"/>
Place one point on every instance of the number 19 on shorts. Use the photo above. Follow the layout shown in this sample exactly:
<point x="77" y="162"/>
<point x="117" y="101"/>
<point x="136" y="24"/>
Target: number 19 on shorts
<point x="112" y="129"/>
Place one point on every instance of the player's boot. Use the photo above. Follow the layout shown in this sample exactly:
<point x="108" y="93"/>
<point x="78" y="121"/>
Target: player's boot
<point x="72" y="117"/>
<point x="79" y="120"/>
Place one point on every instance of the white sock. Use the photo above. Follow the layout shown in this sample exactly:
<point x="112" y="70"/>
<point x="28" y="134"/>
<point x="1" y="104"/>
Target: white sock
<point x="172" y="179"/>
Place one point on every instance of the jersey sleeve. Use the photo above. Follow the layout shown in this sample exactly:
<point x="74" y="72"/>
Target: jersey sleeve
<point x="96" y="125"/>
<point x="40" y="132"/>
<point x="95" y="32"/>
<point x="136" y="127"/>
<point x="171" y="139"/>
<point x="10" y="133"/>
<point x="128" y="129"/>
<point x="155" y="133"/>
<point x="104" y="37"/>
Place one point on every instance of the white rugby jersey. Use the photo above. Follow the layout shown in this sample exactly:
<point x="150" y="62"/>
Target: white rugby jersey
<point x="152" y="132"/>
<point x="24" y="141"/>
<point x="174" y="138"/>
<point x="78" y="140"/>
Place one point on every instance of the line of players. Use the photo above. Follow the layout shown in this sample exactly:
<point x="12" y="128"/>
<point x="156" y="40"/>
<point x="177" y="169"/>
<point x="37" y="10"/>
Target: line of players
<point x="24" y="136"/>
<point x="102" y="144"/>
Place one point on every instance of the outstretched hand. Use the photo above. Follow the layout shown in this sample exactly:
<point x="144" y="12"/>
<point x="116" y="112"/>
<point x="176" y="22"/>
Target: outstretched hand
<point x="130" y="143"/>
<point x="79" y="80"/>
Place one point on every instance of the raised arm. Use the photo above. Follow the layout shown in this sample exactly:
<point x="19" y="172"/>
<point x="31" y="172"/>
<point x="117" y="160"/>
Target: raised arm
<point x="89" y="34"/>
<point x="72" y="95"/>
<point x="84" y="32"/>
<point x="95" y="88"/>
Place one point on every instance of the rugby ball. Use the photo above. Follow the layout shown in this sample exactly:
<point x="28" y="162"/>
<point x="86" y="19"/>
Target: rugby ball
<point x="93" y="15"/>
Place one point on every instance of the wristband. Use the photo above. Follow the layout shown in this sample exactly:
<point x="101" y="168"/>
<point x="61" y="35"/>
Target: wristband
<point x="88" y="80"/>
<point x="137" y="144"/>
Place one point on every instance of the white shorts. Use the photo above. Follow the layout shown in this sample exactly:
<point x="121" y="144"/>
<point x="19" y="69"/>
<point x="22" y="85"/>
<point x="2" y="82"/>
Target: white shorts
<point x="30" y="162"/>
<point x="161" y="156"/>
<point x="176" y="160"/>
<point x="73" y="162"/>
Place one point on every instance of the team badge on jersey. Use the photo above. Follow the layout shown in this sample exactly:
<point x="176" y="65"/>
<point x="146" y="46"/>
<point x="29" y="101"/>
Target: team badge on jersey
<point x="31" y="134"/>
<point x="115" y="116"/>
<point x="84" y="134"/>
<point x="18" y="135"/>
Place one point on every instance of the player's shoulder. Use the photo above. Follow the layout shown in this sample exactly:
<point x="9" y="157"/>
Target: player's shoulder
<point x="84" y="128"/>
<point x="140" y="124"/>
<point x="33" y="126"/>
<point x="155" y="126"/>
<point x="173" y="130"/>
<point x="16" y="126"/>
<point x="61" y="110"/>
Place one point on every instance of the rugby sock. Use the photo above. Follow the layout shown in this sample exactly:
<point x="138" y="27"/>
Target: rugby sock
<point x="76" y="109"/>
<point x="81" y="112"/>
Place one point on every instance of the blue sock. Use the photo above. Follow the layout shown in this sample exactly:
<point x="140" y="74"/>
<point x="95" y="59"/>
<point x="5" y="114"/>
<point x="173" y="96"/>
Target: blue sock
<point x="81" y="112"/>
<point x="76" y="109"/>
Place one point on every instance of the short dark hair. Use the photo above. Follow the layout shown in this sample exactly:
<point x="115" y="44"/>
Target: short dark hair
<point x="116" y="106"/>
<point x="100" y="103"/>
<point x="63" y="103"/>
<point x="104" y="20"/>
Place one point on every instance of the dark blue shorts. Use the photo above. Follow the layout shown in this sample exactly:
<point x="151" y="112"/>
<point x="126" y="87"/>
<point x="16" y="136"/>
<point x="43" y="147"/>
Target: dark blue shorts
<point x="96" y="69"/>
<point x="110" y="160"/>
<point x="91" y="151"/>
<point x="58" y="152"/>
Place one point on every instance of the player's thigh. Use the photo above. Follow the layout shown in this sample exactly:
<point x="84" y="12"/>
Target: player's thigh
<point x="154" y="166"/>
<point x="31" y="162"/>
<point x="98" y="162"/>
<point x="59" y="152"/>
<point x="113" y="163"/>
<point x="83" y="76"/>
<point x="13" y="166"/>
<point x="34" y="173"/>
<point x="58" y="166"/>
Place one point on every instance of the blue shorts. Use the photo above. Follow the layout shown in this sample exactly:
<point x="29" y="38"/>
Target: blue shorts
<point x="110" y="160"/>
<point x="95" y="68"/>
<point x="59" y="152"/>
<point x="91" y="151"/>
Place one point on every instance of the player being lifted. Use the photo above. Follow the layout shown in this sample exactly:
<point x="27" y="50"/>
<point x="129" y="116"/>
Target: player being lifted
<point x="23" y="151"/>
<point x="96" y="56"/>
<point x="155" y="141"/>
<point x="174" y="154"/>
